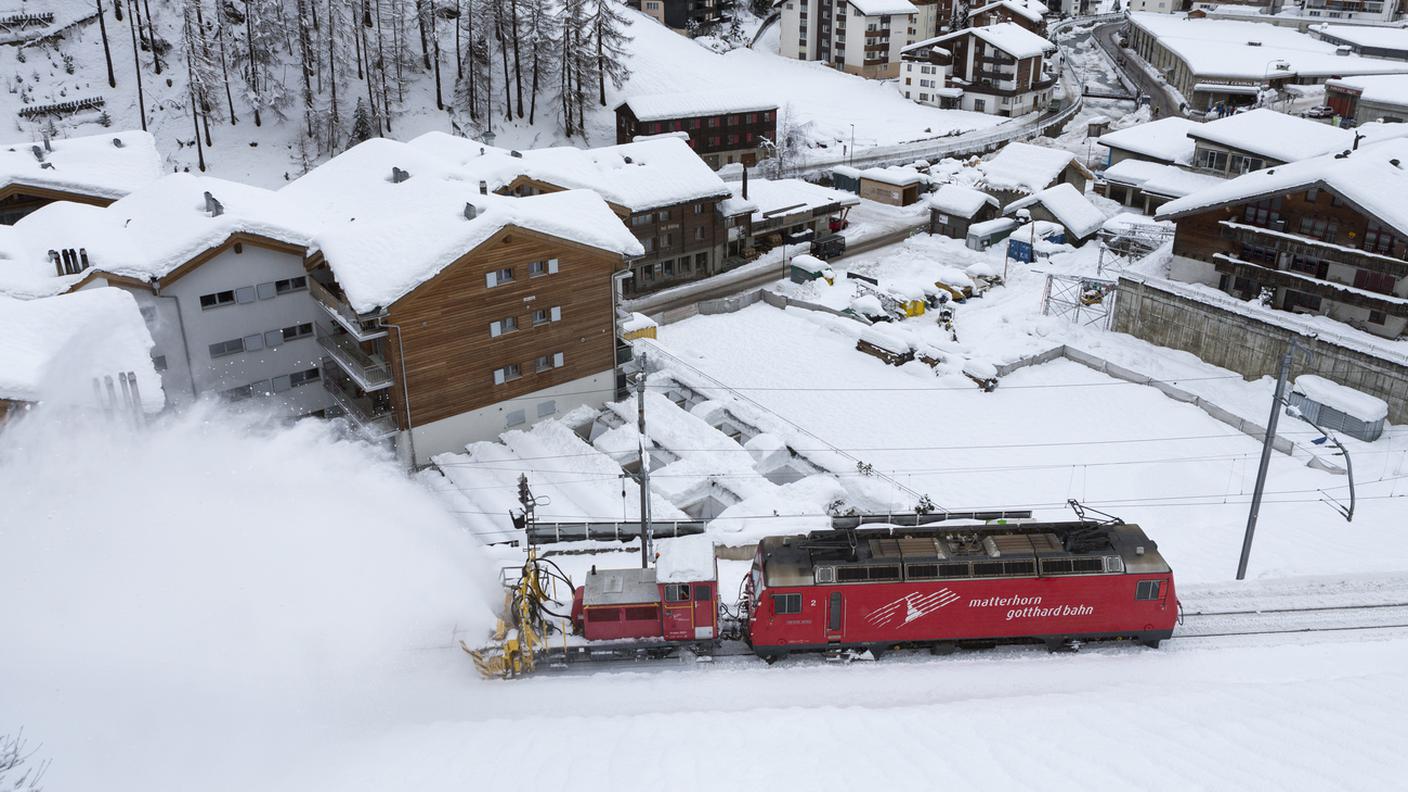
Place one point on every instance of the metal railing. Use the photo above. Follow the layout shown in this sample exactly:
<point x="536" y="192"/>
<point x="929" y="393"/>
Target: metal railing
<point x="336" y="306"/>
<point x="369" y="371"/>
<point x="360" y="410"/>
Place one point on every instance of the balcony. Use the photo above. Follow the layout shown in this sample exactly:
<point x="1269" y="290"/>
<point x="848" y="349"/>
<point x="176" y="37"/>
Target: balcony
<point x="1295" y="244"/>
<point x="330" y="298"/>
<point x="369" y="371"/>
<point x="360" y="409"/>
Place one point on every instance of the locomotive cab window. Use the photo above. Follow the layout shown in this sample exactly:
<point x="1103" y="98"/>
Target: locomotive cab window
<point x="786" y="604"/>
<point x="1147" y="590"/>
<point x="677" y="592"/>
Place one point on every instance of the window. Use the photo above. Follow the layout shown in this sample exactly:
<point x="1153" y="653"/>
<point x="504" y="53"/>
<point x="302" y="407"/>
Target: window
<point x="244" y="295"/>
<point x="295" y="332"/>
<point x="254" y="343"/>
<point x="505" y="325"/>
<point x="507" y="373"/>
<point x="1381" y="282"/>
<point x="547" y="408"/>
<point x="289" y="285"/>
<point x="540" y="268"/>
<point x="1147" y="590"/>
<point x="303" y="377"/>
<point x="498" y="276"/>
<point x="667" y="240"/>
<point x="1263" y="212"/>
<point x="677" y="592"/>
<point x="543" y="316"/>
<point x="159" y="361"/>
<point x="1375" y="317"/>
<point x="217" y="300"/>
<point x="549" y="362"/>
<point x="786" y="604"/>
<point x="642" y="219"/>
<point x="663" y="215"/>
<point x="515" y="418"/>
<point x="701" y="260"/>
<point x="1378" y="239"/>
<point x="648" y="243"/>
<point x="667" y="268"/>
<point x="699" y="208"/>
<point x="222" y="348"/>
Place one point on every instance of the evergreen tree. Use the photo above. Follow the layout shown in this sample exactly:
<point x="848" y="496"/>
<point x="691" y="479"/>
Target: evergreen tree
<point x="609" y="38"/>
<point x="361" y="125"/>
<point x="107" y="51"/>
<point x="540" y="34"/>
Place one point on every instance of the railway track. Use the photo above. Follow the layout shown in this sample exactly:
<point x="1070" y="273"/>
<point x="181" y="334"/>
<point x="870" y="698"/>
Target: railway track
<point x="1200" y="625"/>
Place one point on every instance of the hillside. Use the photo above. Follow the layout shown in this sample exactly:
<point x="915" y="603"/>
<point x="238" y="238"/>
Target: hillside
<point x="64" y="61"/>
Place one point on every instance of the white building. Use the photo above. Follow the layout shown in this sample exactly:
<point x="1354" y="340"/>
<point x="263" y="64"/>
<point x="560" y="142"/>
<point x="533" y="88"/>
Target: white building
<point x="1364" y="10"/>
<point x="861" y="37"/>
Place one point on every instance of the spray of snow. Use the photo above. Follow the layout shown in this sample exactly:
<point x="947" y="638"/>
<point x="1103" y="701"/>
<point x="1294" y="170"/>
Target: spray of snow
<point x="216" y="581"/>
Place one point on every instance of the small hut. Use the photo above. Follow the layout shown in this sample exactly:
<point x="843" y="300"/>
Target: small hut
<point x="1332" y="406"/>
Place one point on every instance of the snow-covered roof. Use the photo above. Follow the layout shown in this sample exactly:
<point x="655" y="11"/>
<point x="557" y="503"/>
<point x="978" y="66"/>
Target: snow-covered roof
<point x="1009" y="37"/>
<point x="1026" y="168"/>
<point x="883" y="7"/>
<point x="1236" y="49"/>
<point x="1375" y="37"/>
<point x="659" y="107"/>
<point x="103" y="166"/>
<point x="994" y="226"/>
<point x="897" y="175"/>
<point x="53" y="347"/>
<point x="1388" y="89"/>
<point x="960" y="200"/>
<point x="150" y="232"/>
<point x="1158" y="178"/>
<point x="927" y="45"/>
<point x="1276" y="135"/>
<point x="638" y="176"/>
<point x="1030" y="9"/>
<point x="1375" y="177"/>
<point x="810" y="263"/>
<point x="1165" y="139"/>
<point x="379" y="256"/>
<point x="885" y="338"/>
<point x="1341" y="397"/>
<point x="685" y="559"/>
<point x="1128" y="221"/>
<point x="770" y="196"/>
<point x="1068" y="206"/>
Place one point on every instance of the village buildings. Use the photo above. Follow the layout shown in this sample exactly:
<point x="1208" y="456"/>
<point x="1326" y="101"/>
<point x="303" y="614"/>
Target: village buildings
<point x="998" y="69"/>
<point x="93" y="170"/>
<point x="862" y="37"/>
<point x="722" y="128"/>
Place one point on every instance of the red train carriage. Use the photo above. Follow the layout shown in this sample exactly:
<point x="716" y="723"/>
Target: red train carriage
<point x="874" y="589"/>
<point x="677" y="600"/>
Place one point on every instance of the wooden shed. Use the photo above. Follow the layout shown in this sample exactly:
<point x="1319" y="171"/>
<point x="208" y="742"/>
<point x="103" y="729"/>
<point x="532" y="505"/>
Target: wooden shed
<point x="893" y="186"/>
<point x="953" y="208"/>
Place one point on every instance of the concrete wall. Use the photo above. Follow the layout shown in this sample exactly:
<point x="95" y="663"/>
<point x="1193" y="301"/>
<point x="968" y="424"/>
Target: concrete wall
<point x="453" y="433"/>
<point x="1253" y="347"/>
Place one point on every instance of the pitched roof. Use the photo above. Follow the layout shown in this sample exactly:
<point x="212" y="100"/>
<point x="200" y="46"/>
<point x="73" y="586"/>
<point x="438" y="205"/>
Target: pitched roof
<point x="1009" y="37"/>
<point x="960" y="200"/>
<point x="379" y="255"/>
<point x="1165" y="139"/>
<point x="104" y="166"/>
<point x="1026" y="168"/>
<point x="1030" y="9"/>
<point x="883" y="7"/>
<point x="54" y="347"/>
<point x="1068" y="206"/>
<point x="657" y="107"/>
<point x="1373" y="178"/>
<point x="1374" y="37"/>
<point x="1276" y="135"/>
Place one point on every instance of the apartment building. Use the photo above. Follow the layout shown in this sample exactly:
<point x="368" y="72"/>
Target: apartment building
<point x="861" y="37"/>
<point x="94" y="170"/>
<point x="723" y="128"/>
<point x="1029" y="14"/>
<point x="1324" y="236"/>
<point x="216" y="268"/>
<point x="998" y="69"/>
<point x="465" y="312"/>
<point x="685" y="16"/>
<point x="1358" y="10"/>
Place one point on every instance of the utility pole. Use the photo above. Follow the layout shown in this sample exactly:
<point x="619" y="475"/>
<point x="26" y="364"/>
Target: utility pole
<point x="644" y="469"/>
<point x="1265" y="457"/>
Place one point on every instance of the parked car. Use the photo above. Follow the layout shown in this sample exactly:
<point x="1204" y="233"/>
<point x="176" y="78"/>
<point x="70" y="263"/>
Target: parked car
<point x="1319" y="111"/>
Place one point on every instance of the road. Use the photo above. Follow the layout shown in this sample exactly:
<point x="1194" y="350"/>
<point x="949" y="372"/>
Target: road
<point x="1162" y="103"/>
<point x="722" y="285"/>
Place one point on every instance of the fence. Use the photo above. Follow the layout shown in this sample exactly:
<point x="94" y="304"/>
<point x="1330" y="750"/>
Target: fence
<point x="63" y="108"/>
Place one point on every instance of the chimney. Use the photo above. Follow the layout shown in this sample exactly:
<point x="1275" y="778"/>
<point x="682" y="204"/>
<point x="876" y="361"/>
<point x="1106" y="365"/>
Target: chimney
<point x="481" y="151"/>
<point x="516" y="153"/>
<point x="470" y="211"/>
<point x="38" y="153"/>
<point x="58" y="267"/>
<point x="483" y="187"/>
<point x="1394" y="163"/>
<point x="1357" y="137"/>
<point x="47" y="145"/>
<point x="745" y="182"/>
<point x="214" y="207"/>
<point x="117" y="143"/>
<point x="398" y="175"/>
<point x="83" y="258"/>
<point x="627" y="159"/>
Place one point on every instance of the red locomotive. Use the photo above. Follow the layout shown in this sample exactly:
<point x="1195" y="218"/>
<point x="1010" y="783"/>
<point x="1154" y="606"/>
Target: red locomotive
<point x="878" y="588"/>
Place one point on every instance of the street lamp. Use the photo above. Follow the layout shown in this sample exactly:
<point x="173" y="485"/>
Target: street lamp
<point x="853" y="145"/>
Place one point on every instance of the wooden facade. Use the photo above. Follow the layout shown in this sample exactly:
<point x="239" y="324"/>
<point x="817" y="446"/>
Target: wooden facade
<point x="1001" y="13"/>
<point x="1314" y="251"/>
<point x="718" y="138"/>
<point x="18" y="200"/>
<point x="452" y="347"/>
